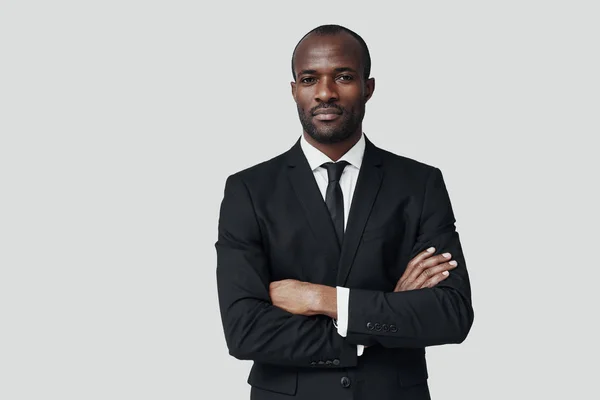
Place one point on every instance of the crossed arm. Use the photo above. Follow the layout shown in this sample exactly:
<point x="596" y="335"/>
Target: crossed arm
<point x="254" y="327"/>
<point x="305" y="298"/>
<point x="290" y="322"/>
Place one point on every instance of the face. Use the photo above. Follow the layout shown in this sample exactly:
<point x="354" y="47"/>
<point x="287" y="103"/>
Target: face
<point x="330" y="90"/>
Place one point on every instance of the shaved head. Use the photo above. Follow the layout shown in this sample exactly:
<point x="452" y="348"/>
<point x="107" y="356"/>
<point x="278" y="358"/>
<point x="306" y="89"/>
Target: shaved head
<point x="331" y="30"/>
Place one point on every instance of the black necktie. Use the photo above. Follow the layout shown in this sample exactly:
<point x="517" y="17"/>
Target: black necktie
<point x="334" y="197"/>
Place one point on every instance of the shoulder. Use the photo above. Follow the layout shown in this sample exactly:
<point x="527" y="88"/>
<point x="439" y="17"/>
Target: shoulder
<point x="260" y="174"/>
<point x="405" y="167"/>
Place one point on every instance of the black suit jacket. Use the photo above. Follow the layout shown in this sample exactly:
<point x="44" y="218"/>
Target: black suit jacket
<point x="275" y="225"/>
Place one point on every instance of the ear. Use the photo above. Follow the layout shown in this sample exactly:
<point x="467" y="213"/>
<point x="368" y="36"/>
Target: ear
<point x="369" y="88"/>
<point x="294" y="90"/>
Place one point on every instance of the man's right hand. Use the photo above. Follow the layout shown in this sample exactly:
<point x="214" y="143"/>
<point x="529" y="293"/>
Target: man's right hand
<point x="425" y="271"/>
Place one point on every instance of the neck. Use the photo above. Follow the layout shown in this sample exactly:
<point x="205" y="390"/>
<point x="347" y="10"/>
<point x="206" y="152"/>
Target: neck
<point x="335" y="150"/>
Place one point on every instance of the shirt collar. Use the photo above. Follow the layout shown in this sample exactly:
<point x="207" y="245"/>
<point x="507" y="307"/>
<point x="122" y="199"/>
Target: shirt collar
<point x="316" y="158"/>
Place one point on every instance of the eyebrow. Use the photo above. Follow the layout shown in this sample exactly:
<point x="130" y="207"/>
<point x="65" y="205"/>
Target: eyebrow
<point x="314" y="71"/>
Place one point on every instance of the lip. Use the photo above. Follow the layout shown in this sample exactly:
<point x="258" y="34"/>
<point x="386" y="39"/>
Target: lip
<point x="327" y="117"/>
<point x="327" y="114"/>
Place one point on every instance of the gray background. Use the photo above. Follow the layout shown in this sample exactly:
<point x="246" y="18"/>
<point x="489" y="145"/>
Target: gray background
<point x="120" y="121"/>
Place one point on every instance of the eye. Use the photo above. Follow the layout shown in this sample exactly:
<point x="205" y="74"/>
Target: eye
<point x="345" y="78"/>
<point x="307" y="80"/>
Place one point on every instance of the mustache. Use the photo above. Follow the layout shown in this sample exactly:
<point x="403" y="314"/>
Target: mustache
<point x="326" y="106"/>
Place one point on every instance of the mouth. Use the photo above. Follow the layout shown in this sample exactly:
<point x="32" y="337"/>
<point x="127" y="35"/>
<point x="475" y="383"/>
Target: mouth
<point x="324" y="114"/>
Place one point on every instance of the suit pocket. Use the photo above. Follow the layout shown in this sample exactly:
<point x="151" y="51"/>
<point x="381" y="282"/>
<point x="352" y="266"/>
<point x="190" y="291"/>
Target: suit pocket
<point x="274" y="378"/>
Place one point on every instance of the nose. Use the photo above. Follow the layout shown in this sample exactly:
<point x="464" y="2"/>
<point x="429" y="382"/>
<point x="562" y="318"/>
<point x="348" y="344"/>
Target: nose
<point x="326" y="91"/>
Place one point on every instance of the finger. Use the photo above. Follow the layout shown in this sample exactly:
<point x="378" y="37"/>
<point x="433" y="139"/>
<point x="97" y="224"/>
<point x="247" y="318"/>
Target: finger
<point x="416" y="281"/>
<point x="417" y="267"/>
<point x="430" y="262"/>
<point x="406" y="286"/>
<point x="404" y="281"/>
<point x="423" y="263"/>
<point x="418" y="259"/>
<point x="437" y="278"/>
<point x="434" y="271"/>
<point x="401" y="285"/>
<point x="434" y="280"/>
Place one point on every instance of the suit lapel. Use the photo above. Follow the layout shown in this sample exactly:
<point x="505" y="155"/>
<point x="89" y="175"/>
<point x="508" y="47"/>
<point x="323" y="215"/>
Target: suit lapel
<point x="307" y="191"/>
<point x="365" y="193"/>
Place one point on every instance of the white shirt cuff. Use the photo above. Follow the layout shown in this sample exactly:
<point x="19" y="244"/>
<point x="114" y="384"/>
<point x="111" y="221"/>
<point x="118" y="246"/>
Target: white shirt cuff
<point x="359" y="349"/>
<point x="343" y="297"/>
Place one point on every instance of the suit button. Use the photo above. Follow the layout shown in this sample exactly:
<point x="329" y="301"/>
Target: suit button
<point x="393" y="328"/>
<point x="377" y="326"/>
<point x="328" y="362"/>
<point x="336" y="362"/>
<point x="321" y="362"/>
<point x="370" y="325"/>
<point x="345" y="382"/>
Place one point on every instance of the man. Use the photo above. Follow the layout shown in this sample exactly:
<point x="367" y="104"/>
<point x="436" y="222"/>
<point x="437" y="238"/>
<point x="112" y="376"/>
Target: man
<point x="338" y="262"/>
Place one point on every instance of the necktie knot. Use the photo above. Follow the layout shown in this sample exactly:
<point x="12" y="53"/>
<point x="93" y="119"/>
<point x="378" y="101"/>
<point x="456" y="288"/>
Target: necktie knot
<point x="335" y="170"/>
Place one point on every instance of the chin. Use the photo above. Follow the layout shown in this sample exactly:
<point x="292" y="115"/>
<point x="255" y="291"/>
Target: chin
<point x="328" y="132"/>
<point x="329" y="137"/>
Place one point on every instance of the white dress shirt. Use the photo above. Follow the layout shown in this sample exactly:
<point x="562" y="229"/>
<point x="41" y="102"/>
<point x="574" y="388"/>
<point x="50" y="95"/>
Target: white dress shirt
<point x="354" y="157"/>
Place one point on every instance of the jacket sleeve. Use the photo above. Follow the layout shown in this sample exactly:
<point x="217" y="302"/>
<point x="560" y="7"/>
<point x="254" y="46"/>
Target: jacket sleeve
<point x="424" y="317"/>
<point x="254" y="328"/>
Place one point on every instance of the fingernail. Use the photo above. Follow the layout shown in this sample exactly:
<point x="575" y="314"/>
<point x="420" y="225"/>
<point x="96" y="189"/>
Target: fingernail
<point x="447" y="255"/>
<point x="445" y="273"/>
<point x="431" y="249"/>
<point x="452" y="262"/>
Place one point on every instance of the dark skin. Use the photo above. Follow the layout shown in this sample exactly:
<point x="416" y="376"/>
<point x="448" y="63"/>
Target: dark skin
<point x="330" y="92"/>
<point x="305" y="298"/>
<point x="329" y="71"/>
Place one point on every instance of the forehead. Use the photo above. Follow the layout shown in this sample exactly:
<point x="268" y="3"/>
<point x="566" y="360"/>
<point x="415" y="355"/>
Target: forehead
<point x="323" y="53"/>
